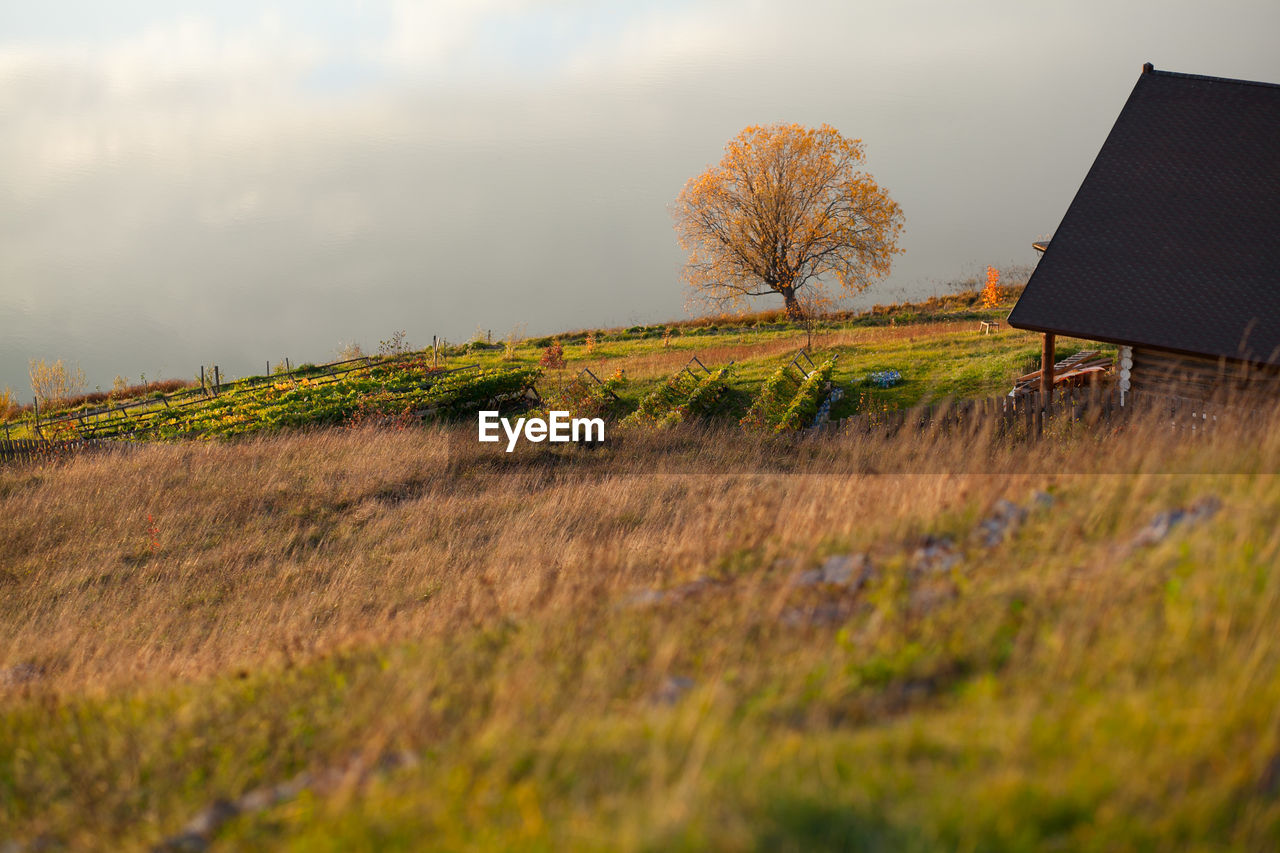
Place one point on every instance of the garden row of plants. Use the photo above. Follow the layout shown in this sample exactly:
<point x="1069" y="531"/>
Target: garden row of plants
<point x="683" y="397"/>
<point x="406" y="387"/>
<point x="787" y="402"/>
<point x="400" y="389"/>
<point x="587" y="397"/>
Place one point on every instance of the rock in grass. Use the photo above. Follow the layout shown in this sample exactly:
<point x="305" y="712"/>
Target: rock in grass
<point x="644" y="598"/>
<point x="673" y="687"/>
<point x="1005" y="517"/>
<point x="200" y="829"/>
<point x="187" y="842"/>
<point x="653" y="597"/>
<point x="1159" y="527"/>
<point x="210" y="818"/>
<point x="21" y="673"/>
<point x="788" y="564"/>
<point x="849" y="570"/>
<point x="39" y="844"/>
<point x="935" y="554"/>
<point x="926" y="599"/>
<point x="825" y="614"/>
<point x="196" y="834"/>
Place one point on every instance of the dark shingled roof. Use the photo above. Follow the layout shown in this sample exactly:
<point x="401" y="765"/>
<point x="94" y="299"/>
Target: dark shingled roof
<point x="1173" y="239"/>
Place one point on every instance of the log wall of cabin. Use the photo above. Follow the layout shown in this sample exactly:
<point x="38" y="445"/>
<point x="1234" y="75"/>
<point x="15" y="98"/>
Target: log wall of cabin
<point x="1163" y="372"/>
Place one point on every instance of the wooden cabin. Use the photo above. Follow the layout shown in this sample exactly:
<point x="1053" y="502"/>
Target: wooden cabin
<point x="1171" y="247"/>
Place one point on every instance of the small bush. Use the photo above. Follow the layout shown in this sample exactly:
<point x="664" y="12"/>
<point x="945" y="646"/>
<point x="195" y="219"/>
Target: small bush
<point x="54" y="383"/>
<point x="394" y="345"/>
<point x="349" y="351"/>
<point x="553" y="356"/>
<point x="586" y="398"/>
<point x="702" y="401"/>
<point x="804" y="406"/>
<point x="9" y="407"/>
<point x="770" y="404"/>
<point x="663" y="399"/>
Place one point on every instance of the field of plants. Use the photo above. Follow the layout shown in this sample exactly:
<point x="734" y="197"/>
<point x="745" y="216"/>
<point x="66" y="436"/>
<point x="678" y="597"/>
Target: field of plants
<point x="398" y="389"/>
<point x="933" y="348"/>
<point x="686" y="395"/>
<point x="395" y="390"/>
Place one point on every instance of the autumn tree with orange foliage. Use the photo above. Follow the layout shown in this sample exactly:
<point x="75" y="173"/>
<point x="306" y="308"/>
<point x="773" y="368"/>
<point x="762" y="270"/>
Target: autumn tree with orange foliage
<point x="991" y="293"/>
<point x="786" y="208"/>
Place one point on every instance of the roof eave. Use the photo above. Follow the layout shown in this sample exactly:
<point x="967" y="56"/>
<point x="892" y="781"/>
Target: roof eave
<point x="1089" y="336"/>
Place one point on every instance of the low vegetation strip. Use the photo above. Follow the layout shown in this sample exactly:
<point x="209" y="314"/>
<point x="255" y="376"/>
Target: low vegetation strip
<point x="937" y="359"/>
<point x="808" y="398"/>
<point x="702" y="401"/>
<point x="663" y="399"/>
<point x="587" y="396"/>
<point x="130" y="407"/>
<point x="771" y="402"/>
<point x="403" y="388"/>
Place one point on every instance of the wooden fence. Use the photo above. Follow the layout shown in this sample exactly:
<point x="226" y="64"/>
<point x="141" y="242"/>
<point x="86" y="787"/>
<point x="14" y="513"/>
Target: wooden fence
<point x="129" y="417"/>
<point x="37" y="450"/>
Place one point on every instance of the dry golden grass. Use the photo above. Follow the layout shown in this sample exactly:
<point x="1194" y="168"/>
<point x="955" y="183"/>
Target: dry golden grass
<point x="209" y="618"/>
<point x="276" y="549"/>
<point x="181" y="561"/>
<point x="869" y="335"/>
<point x="663" y="362"/>
<point x="655" y="363"/>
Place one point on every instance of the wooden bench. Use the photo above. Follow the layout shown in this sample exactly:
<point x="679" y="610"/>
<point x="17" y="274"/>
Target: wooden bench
<point x="989" y="326"/>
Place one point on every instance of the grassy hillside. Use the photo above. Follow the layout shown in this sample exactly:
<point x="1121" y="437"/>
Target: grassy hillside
<point x="398" y="639"/>
<point x="935" y="347"/>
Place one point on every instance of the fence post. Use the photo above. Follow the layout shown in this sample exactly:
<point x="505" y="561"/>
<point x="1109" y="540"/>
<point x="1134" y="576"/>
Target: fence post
<point x="217" y="381"/>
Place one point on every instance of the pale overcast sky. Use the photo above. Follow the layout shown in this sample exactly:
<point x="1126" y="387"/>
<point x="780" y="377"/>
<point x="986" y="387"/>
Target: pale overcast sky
<point x="235" y="182"/>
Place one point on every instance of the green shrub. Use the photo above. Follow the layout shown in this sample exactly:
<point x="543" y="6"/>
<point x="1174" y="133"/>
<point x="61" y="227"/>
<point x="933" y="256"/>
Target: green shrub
<point x="804" y="406"/>
<point x="663" y="399"/>
<point x="770" y="405"/>
<point x="586" y="398"/>
<point x="702" y="401"/>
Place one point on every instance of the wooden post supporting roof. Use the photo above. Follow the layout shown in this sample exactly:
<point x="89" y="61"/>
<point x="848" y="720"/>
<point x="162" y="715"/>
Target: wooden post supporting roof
<point x="1046" y="370"/>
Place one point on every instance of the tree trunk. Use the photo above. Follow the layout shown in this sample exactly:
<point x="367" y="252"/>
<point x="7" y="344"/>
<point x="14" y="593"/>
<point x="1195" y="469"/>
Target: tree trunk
<point x="793" y="304"/>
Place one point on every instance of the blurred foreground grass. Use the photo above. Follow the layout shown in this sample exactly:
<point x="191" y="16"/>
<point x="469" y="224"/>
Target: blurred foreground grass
<point x="613" y="649"/>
